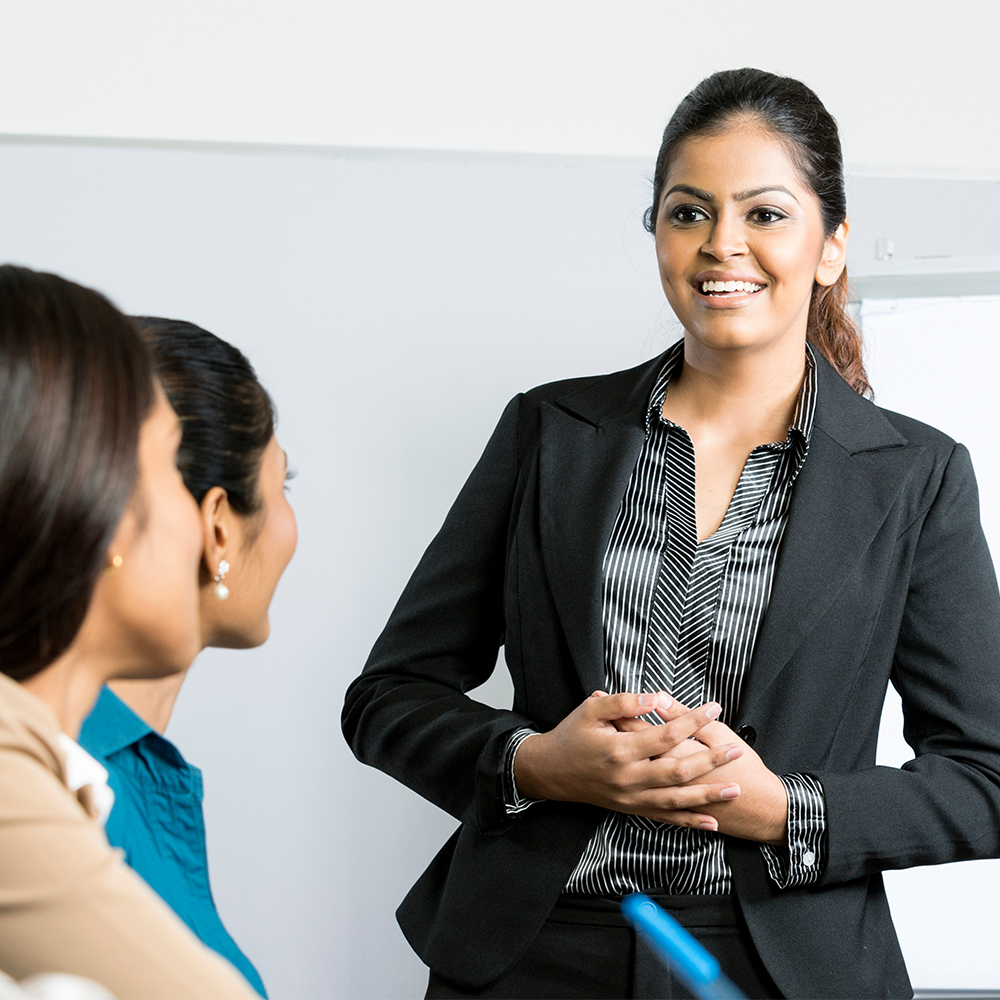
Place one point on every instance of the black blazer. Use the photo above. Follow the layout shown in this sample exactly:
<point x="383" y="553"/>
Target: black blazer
<point x="884" y="574"/>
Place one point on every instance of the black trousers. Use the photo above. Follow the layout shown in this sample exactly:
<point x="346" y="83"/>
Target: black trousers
<point x="586" y="949"/>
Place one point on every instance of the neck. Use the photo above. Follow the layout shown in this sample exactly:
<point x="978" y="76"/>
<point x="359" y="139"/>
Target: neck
<point x="69" y="686"/>
<point x="152" y="699"/>
<point x="753" y="392"/>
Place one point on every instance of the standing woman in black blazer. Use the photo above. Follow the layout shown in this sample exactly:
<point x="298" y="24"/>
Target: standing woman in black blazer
<point x="704" y="572"/>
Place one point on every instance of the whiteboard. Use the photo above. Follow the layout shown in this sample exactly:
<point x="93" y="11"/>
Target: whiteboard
<point x="392" y="305"/>
<point x="934" y="359"/>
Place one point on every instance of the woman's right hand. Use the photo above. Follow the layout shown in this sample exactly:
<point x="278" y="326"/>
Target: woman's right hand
<point x="586" y="758"/>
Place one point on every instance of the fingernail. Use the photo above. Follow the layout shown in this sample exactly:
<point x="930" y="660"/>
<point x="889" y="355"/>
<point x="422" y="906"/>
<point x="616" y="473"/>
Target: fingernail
<point x="730" y="791"/>
<point x="713" y="711"/>
<point x="647" y="700"/>
<point x="709" y="825"/>
<point x="665" y="700"/>
<point x="733" y="752"/>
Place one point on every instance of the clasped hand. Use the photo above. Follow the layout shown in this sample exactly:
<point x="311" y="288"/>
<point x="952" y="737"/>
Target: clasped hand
<point x="691" y="770"/>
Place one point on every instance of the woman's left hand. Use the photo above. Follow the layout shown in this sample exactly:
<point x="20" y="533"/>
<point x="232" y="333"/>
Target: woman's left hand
<point x="760" y="813"/>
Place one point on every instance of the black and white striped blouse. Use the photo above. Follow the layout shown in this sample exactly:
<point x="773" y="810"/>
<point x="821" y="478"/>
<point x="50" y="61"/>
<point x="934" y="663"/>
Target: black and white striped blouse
<point x="682" y="616"/>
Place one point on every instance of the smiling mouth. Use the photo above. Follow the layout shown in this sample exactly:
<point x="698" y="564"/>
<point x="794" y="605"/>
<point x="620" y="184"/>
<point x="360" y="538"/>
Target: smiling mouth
<point x="729" y="287"/>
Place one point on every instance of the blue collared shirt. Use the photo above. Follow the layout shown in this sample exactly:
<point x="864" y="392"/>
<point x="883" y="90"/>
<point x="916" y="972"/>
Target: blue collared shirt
<point x="157" y="820"/>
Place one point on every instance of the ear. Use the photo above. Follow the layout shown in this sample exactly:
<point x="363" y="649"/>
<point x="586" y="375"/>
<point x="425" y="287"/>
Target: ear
<point x="834" y="259"/>
<point x="216" y="519"/>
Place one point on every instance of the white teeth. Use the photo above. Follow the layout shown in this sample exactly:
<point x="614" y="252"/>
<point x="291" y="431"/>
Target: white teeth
<point x="729" y="286"/>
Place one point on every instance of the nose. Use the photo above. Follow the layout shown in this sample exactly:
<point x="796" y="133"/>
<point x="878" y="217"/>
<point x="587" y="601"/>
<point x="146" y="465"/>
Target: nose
<point x="726" y="240"/>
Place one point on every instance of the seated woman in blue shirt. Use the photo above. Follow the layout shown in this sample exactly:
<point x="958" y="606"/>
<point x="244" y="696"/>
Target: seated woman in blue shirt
<point x="232" y="465"/>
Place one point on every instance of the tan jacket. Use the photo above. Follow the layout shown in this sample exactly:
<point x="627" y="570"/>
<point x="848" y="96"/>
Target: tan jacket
<point x="68" y="903"/>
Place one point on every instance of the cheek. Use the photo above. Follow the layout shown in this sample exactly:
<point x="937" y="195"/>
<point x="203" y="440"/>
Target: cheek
<point x="176" y="542"/>
<point x="185" y="526"/>
<point x="161" y="605"/>
<point x="271" y="552"/>
<point x="672" y="250"/>
<point x="673" y="257"/>
<point x="791" y="263"/>
<point x="286" y="532"/>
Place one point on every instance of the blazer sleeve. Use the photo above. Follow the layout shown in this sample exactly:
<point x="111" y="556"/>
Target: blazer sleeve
<point x="408" y="713"/>
<point x="944" y="805"/>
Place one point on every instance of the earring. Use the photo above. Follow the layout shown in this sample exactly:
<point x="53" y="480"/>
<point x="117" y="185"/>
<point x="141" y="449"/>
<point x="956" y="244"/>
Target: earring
<point x="221" y="590"/>
<point x="114" y="565"/>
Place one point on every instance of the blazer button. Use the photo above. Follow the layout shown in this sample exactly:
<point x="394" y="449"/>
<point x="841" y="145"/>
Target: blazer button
<point x="748" y="734"/>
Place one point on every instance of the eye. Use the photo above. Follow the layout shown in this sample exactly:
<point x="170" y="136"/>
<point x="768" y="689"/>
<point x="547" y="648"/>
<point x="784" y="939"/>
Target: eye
<point x="686" y="215"/>
<point x="290" y="474"/>
<point x="767" y="216"/>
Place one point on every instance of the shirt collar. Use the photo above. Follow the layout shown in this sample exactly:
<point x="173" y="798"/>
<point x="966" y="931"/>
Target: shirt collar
<point x="111" y="726"/>
<point x="83" y="770"/>
<point x="805" y="406"/>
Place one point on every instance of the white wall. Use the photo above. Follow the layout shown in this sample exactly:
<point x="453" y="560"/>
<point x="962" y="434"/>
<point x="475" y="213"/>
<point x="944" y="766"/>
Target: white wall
<point x="392" y="305"/>
<point x="933" y="359"/>
<point x="912" y="83"/>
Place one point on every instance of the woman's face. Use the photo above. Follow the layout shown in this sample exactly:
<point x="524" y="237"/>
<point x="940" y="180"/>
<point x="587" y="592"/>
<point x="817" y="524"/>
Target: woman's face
<point x="258" y="550"/>
<point x="734" y="209"/>
<point x="147" y="608"/>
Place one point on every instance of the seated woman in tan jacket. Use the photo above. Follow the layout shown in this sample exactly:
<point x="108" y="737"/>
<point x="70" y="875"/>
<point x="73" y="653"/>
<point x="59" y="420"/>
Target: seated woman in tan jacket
<point x="99" y="556"/>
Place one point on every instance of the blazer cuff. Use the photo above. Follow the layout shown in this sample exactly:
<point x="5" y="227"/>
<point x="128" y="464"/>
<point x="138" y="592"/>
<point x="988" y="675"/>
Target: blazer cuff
<point x="803" y="860"/>
<point x="514" y="801"/>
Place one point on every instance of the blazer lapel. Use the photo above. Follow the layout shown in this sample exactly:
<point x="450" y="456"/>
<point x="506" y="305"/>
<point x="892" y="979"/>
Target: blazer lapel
<point x="855" y="469"/>
<point x="590" y="441"/>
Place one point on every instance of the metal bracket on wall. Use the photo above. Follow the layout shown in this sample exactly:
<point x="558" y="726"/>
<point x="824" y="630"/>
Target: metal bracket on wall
<point x="925" y="277"/>
<point x="957" y="994"/>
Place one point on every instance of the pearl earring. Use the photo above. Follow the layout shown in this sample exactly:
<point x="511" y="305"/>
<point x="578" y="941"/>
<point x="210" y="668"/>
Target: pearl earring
<point x="221" y="590"/>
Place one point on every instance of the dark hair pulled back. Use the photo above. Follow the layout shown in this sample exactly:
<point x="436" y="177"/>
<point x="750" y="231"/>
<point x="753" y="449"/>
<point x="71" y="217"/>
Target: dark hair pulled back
<point x="226" y="415"/>
<point x="790" y="111"/>
<point x="75" y="387"/>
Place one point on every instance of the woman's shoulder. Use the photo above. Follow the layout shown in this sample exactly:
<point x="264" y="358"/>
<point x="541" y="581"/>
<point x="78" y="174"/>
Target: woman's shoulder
<point x="33" y="787"/>
<point x="27" y="726"/>
<point x="859" y="425"/>
<point x="591" y="398"/>
<point x="611" y="384"/>
<point x="917" y="433"/>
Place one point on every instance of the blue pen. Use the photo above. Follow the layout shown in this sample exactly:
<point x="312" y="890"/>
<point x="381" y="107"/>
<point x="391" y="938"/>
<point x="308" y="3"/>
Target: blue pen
<point x="697" y="968"/>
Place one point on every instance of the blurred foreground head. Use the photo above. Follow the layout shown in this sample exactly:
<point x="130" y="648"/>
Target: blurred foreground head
<point x="75" y="387"/>
<point x="100" y="542"/>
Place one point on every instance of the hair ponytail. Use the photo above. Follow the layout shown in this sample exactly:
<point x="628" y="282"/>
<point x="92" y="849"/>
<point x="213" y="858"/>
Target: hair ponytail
<point x="837" y="337"/>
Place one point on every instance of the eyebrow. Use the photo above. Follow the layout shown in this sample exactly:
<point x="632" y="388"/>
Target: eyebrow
<point x="739" y="196"/>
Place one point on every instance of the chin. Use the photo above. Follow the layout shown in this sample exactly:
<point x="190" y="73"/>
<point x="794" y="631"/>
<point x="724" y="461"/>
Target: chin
<point x="243" y="638"/>
<point x="164" y="663"/>
<point x="735" y="334"/>
<point x="730" y="339"/>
